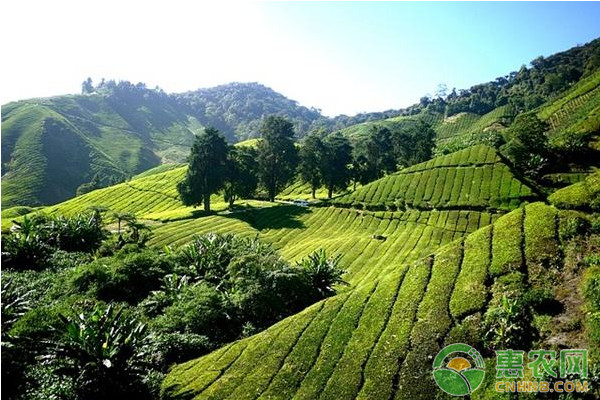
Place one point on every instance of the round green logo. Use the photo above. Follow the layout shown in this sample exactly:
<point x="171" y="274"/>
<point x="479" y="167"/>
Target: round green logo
<point x="454" y="373"/>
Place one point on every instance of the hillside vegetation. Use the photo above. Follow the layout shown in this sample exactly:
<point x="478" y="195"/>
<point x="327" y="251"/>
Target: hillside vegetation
<point x="376" y="340"/>
<point x="52" y="146"/>
<point x="474" y="178"/>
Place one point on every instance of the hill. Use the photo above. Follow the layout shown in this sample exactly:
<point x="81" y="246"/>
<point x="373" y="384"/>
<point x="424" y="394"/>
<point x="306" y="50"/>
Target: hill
<point x="52" y="146"/>
<point x="376" y="340"/>
<point x="474" y="178"/>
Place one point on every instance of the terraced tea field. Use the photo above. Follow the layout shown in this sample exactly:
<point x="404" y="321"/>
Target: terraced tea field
<point x="376" y="339"/>
<point x="151" y="195"/>
<point x="463" y="124"/>
<point x="298" y="231"/>
<point x="578" y="111"/>
<point x="473" y="178"/>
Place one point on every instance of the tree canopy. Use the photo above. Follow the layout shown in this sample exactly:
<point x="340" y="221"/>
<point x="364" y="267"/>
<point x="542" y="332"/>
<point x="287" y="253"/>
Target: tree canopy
<point x="207" y="169"/>
<point x="277" y="155"/>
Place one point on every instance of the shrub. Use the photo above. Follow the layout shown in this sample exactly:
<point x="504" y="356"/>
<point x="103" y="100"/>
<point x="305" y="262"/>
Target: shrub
<point x="322" y="273"/>
<point x="82" y="232"/>
<point x="507" y="323"/>
<point x="573" y="226"/>
<point x="33" y="240"/>
<point x="591" y="287"/>
<point x="168" y="348"/>
<point x="130" y="277"/>
<point x="200" y="310"/>
<point x="26" y="247"/>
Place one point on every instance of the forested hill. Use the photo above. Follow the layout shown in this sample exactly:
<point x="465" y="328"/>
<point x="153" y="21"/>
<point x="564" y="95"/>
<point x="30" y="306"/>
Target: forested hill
<point x="52" y="146"/>
<point x="237" y="109"/>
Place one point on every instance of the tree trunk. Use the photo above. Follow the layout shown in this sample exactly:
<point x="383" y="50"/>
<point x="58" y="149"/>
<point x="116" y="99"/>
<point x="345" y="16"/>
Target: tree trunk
<point x="207" y="202"/>
<point x="330" y="193"/>
<point x="272" y="195"/>
<point x="314" y="191"/>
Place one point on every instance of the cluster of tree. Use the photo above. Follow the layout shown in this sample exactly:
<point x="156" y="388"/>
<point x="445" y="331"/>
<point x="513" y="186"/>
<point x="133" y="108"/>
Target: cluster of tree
<point x="333" y="162"/>
<point x="533" y="153"/>
<point x="236" y="109"/>
<point x="322" y="160"/>
<point x="77" y="324"/>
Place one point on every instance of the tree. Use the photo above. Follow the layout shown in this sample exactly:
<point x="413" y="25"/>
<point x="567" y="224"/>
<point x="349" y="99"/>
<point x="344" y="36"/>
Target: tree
<point x="336" y="161"/>
<point x="87" y="86"/>
<point x="527" y="145"/>
<point x="311" y="160"/>
<point x="277" y="155"/>
<point x="359" y="170"/>
<point x="241" y="179"/>
<point x="207" y="169"/>
<point x="413" y="144"/>
<point x="379" y="152"/>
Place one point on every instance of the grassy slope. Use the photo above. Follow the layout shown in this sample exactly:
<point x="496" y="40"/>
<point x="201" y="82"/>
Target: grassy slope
<point x="150" y="195"/>
<point x="51" y="146"/>
<point x="376" y="339"/>
<point x="327" y="348"/>
<point x="474" y="177"/>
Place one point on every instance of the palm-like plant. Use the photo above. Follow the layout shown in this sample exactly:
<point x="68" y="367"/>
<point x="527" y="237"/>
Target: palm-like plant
<point x="101" y="349"/>
<point x="27" y="245"/>
<point x="322" y="272"/>
<point x="208" y="256"/>
<point x="15" y="303"/>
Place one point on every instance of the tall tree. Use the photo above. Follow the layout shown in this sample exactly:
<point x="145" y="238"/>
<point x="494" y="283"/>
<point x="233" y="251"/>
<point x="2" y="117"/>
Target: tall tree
<point x="241" y="179"/>
<point x="359" y="170"/>
<point x="336" y="163"/>
<point x="277" y="155"/>
<point x="311" y="160"/>
<point x="379" y="152"/>
<point x="207" y="169"/>
<point x="413" y="144"/>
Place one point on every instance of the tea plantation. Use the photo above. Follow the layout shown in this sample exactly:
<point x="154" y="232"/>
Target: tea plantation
<point x="376" y="340"/>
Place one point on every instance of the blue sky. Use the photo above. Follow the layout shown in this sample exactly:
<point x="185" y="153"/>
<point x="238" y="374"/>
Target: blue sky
<point x="339" y="57"/>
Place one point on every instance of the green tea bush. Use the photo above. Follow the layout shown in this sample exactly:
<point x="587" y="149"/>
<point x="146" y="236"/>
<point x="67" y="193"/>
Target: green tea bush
<point x="572" y="225"/>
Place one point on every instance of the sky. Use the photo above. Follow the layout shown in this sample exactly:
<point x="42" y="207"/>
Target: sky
<point x="340" y="57"/>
